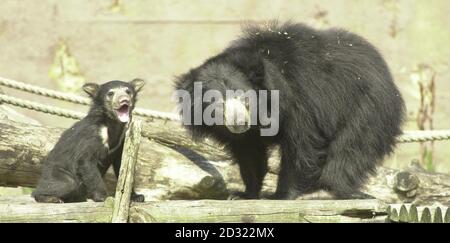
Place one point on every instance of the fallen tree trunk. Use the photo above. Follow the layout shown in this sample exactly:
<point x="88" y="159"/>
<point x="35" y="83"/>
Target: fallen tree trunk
<point x="171" y="166"/>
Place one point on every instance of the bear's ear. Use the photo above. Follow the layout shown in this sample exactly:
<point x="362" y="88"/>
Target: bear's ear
<point x="91" y="89"/>
<point x="137" y="84"/>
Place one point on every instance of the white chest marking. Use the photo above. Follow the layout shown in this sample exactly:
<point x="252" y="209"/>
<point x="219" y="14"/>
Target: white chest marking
<point x="104" y="136"/>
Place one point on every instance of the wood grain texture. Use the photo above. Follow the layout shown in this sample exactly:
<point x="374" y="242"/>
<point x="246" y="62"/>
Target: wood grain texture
<point x="125" y="182"/>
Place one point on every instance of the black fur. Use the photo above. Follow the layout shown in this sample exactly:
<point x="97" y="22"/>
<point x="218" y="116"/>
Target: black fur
<point x="73" y="170"/>
<point x="340" y="111"/>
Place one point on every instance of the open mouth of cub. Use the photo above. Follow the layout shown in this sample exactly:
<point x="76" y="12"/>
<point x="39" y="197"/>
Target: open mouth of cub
<point x="123" y="113"/>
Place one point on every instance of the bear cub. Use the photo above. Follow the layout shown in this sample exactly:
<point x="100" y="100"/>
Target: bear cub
<point x="73" y="170"/>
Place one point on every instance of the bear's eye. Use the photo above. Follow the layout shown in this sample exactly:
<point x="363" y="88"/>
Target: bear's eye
<point x="128" y="91"/>
<point x="110" y="93"/>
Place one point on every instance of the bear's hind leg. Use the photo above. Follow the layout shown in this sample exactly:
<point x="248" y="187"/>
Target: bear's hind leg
<point x="296" y="177"/>
<point x="92" y="180"/>
<point x="349" y="164"/>
<point x="56" y="188"/>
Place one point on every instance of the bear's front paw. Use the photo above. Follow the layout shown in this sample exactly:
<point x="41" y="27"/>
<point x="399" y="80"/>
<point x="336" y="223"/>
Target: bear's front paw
<point x="137" y="197"/>
<point x="99" y="196"/>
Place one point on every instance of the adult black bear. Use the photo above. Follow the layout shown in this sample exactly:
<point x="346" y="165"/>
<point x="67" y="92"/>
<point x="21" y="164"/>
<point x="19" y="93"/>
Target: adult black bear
<point x="339" y="109"/>
<point x="73" y="170"/>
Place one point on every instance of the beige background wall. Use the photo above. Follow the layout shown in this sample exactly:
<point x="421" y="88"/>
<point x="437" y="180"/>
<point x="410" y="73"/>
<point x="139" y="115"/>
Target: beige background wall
<point x="157" y="40"/>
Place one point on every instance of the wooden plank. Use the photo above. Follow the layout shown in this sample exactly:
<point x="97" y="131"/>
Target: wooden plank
<point x="267" y="211"/>
<point x="31" y="212"/>
<point x="21" y="209"/>
<point x="126" y="176"/>
<point x="344" y="219"/>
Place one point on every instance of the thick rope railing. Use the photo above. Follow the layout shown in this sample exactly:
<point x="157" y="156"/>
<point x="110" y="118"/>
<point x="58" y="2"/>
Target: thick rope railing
<point x="407" y="137"/>
<point x="78" y="99"/>
<point x="424" y="136"/>
<point x="41" y="108"/>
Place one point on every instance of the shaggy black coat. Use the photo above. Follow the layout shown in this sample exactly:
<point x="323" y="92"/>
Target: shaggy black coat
<point x="73" y="170"/>
<point x="340" y="111"/>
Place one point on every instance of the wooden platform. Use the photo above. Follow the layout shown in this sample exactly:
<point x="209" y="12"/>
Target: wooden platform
<point x="120" y="210"/>
<point x="24" y="209"/>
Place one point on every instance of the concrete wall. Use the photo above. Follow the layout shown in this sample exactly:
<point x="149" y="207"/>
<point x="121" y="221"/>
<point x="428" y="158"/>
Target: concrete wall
<point x="157" y="40"/>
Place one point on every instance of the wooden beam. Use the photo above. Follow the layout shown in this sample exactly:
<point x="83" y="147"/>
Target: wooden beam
<point x="261" y="211"/>
<point x="26" y="210"/>
<point x="126" y="176"/>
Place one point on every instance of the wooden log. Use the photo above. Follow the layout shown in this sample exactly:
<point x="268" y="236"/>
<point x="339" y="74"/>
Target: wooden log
<point x="393" y="215"/>
<point x="163" y="172"/>
<point x="413" y="214"/>
<point x="20" y="209"/>
<point x="26" y="210"/>
<point x="403" y="215"/>
<point x="409" y="213"/>
<point x="437" y="218"/>
<point x="126" y="176"/>
<point x="8" y="112"/>
<point x="447" y="216"/>
<point x="261" y="211"/>
<point x="171" y="166"/>
<point x="389" y="213"/>
<point x="426" y="216"/>
<point x="176" y="137"/>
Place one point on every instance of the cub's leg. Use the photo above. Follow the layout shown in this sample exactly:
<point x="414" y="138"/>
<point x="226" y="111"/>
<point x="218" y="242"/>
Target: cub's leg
<point x="56" y="186"/>
<point x="299" y="169"/>
<point x="92" y="179"/>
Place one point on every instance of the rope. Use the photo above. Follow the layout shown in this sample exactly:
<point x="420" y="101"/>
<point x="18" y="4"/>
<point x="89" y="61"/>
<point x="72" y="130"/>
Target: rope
<point x="41" y="108"/>
<point x="424" y="136"/>
<point x="407" y="137"/>
<point x="78" y="99"/>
